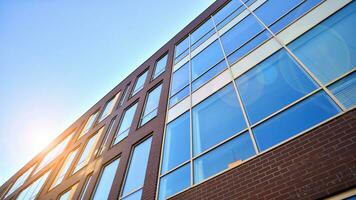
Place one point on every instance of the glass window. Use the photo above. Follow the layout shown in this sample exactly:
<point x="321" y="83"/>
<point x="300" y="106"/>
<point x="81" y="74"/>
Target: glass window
<point x="54" y="153"/>
<point x="206" y="59"/>
<point x="106" y="136"/>
<point x="85" y="187"/>
<point x="276" y="82"/>
<point x="20" y="181"/>
<point x="105" y="181"/>
<point x="212" y="124"/>
<point x="62" y="172"/>
<point x="202" y="33"/>
<point x="123" y="97"/>
<point x="160" y="66"/>
<point x="243" y="37"/>
<point x="180" y="79"/>
<point x="303" y="115"/>
<point x="179" y="96"/>
<point x="294" y="14"/>
<point x="31" y="191"/>
<point x="225" y="156"/>
<point x="89" y="124"/>
<point x="134" y="196"/>
<point x="174" y="182"/>
<point x="125" y="124"/>
<point x="109" y="107"/>
<point x="88" y="150"/>
<point x="328" y="49"/>
<point x="227" y="13"/>
<point x="211" y="73"/>
<point x="176" y="140"/>
<point x="136" y="172"/>
<point x="181" y="50"/>
<point x="151" y="106"/>
<point x="69" y="194"/>
<point x="345" y="90"/>
<point x="140" y="82"/>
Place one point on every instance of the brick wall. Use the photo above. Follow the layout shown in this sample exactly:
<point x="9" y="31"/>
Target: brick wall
<point x="315" y="165"/>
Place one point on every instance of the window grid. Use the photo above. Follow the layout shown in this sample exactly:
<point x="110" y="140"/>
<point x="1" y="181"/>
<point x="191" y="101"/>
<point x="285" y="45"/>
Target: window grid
<point x="19" y="181"/>
<point x="321" y="87"/>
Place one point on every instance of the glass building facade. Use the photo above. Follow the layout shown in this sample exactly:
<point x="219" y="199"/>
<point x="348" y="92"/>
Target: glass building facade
<point x="244" y="80"/>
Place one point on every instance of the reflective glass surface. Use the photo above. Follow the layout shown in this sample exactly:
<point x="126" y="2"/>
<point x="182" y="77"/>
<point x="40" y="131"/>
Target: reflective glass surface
<point x="276" y="82"/>
<point x="105" y="181"/>
<point x="109" y="106"/>
<point x="20" y="181"/>
<point x="228" y="12"/>
<point x="125" y="124"/>
<point x="151" y="106"/>
<point x="212" y="124"/>
<point x="328" y="49"/>
<point x="225" y="156"/>
<point x="208" y="75"/>
<point x="206" y="59"/>
<point x="180" y="79"/>
<point x="182" y="49"/>
<point x="31" y="192"/>
<point x="345" y="90"/>
<point x="67" y="163"/>
<point x="179" y="96"/>
<point x="85" y="187"/>
<point x="88" y="150"/>
<point x="160" y="66"/>
<point x="176" y="140"/>
<point x="88" y="124"/>
<point x="174" y="182"/>
<point x="137" y="169"/>
<point x="294" y="120"/>
<point x="202" y="33"/>
<point x="139" y="83"/>
<point x="134" y="196"/>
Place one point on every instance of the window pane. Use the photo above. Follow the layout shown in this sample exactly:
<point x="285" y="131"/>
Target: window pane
<point x="180" y="79"/>
<point x="134" y="196"/>
<point x="174" y="182"/>
<point x="105" y="181"/>
<point x="20" y="181"/>
<point x="241" y="33"/>
<point x="227" y="13"/>
<point x="123" y="97"/>
<point x="211" y="73"/>
<point x="85" y="188"/>
<point x="88" y="150"/>
<point x="206" y="59"/>
<point x="177" y="140"/>
<point x="179" y="96"/>
<point x="69" y="194"/>
<point x="54" y="153"/>
<point x="276" y="82"/>
<point x="140" y="83"/>
<point x="294" y="14"/>
<point x="31" y="192"/>
<point x="109" y="107"/>
<point x="88" y="125"/>
<point x="302" y="116"/>
<point x="328" y="49"/>
<point x="137" y="169"/>
<point x="160" y="66"/>
<point x="225" y="156"/>
<point x="202" y="33"/>
<point x="151" y="106"/>
<point x="181" y="49"/>
<point x="106" y="137"/>
<point x="212" y="124"/>
<point x="345" y="90"/>
<point x="272" y="10"/>
<point x="125" y="124"/>
<point x="64" y="169"/>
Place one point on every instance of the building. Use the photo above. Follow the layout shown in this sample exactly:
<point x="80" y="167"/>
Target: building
<point x="254" y="99"/>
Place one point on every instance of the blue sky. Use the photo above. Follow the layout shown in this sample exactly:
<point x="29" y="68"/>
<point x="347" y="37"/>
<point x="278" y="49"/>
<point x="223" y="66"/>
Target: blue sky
<point x="59" y="57"/>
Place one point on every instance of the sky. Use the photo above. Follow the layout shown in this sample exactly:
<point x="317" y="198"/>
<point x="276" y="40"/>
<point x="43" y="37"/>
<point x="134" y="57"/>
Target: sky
<point x="59" y="57"/>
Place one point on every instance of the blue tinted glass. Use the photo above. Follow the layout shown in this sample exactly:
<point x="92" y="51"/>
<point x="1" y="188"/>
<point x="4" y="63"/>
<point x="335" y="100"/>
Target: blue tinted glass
<point x="252" y="44"/>
<point x="345" y="90"/>
<point x="180" y="79"/>
<point x="139" y="83"/>
<point x="228" y="12"/>
<point x="179" y="96"/>
<point x="174" y="182"/>
<point x="296" y="119"/>
<point x="240" y="34"/>
<point x="276" y="82"/>
<point x="134" y="196"/>
<point x="177" y="140"/>
<point x="209" y="75"/>
<point x="211" y="121"/>
<point x="225" y="156"/>
<point x="351" y="198"/>
<point x="182" y="47"/>
<point x="106" y="179"/>
<point x="160" y="66"/>
<point x="294" y="14"/>
<point x="328" y="50"/>
<point x="207" y="28"/>
<point x="206" y="59"/>
<point x="272" y="10"/>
